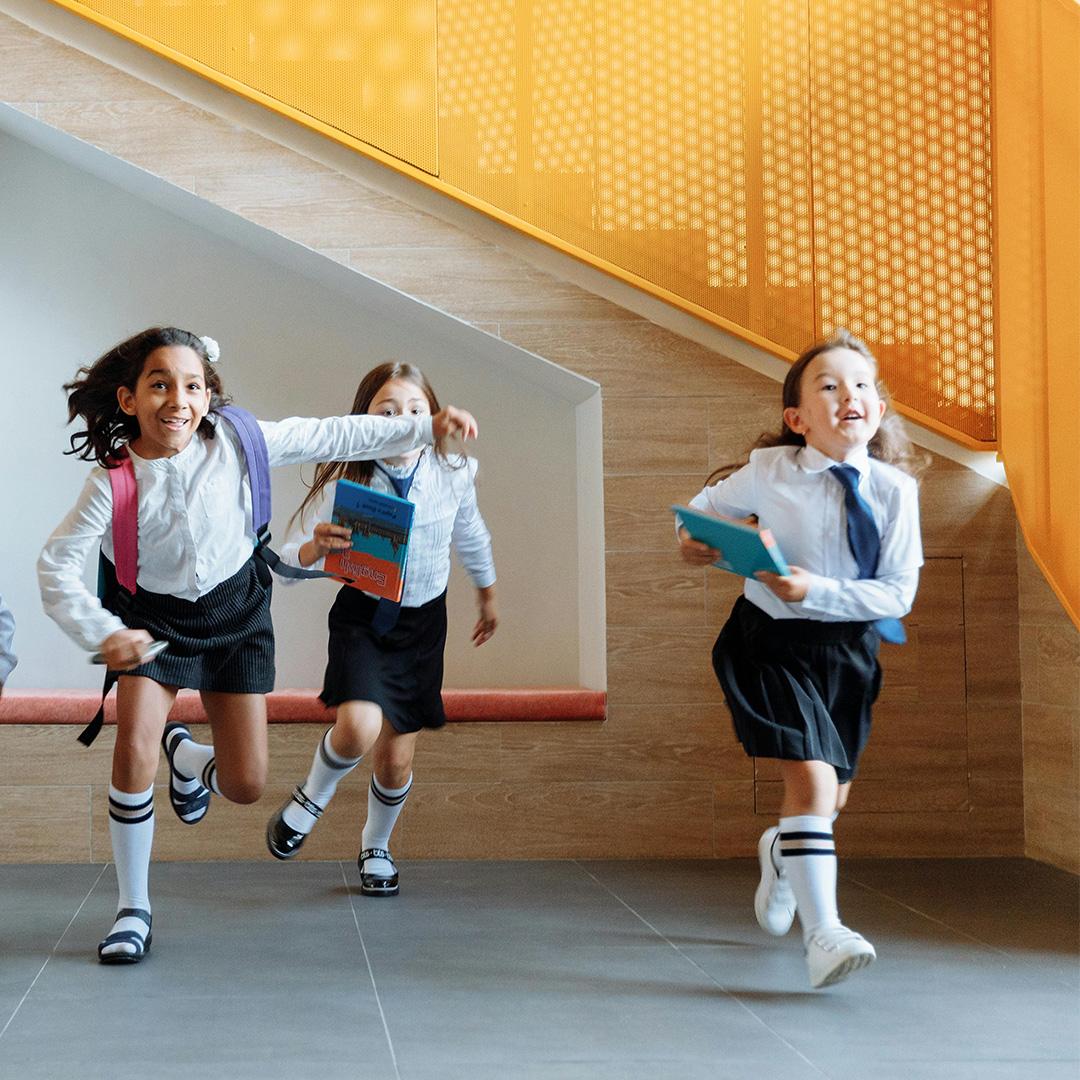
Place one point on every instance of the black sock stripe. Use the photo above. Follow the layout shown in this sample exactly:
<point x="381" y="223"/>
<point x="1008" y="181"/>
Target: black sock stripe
<point x="132" y="820"/>
<point x="208" y="774"/>
<point x="325" y="754"/>
<point x="389" y="800"/>
<point x="130" y="806"/>
<point x="808" y="851"/>
<point x="338" y="765"/>
<point x="806" y="836"/>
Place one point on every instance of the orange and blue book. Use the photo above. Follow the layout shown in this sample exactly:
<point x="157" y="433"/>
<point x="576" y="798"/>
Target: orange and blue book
<point x="744" y="549"/>
<point x="380" y="526"/>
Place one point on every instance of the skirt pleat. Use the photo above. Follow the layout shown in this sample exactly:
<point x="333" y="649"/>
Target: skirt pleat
<point x="223" y="641"/>
<point x="400" y="671"/>
<point x="799" y="689"/>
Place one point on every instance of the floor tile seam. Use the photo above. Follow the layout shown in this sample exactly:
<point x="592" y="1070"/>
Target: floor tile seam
<point x="52" y="951"/>
<point x="946" y="926"/>
<point x="371" y="973"/>
<point x="693" y="963"/>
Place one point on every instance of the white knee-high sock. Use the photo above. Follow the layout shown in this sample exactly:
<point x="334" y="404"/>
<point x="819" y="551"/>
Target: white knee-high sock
<point x="197" y="760"/>
<point x="808" y="856"/>
<point x="131" y="828"/>
<point x="384" y="808"/>
<point x="328" y="769"/>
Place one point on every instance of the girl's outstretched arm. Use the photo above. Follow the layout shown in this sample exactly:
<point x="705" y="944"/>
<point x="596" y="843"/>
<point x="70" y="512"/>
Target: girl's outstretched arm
<point x="298" y="440"/>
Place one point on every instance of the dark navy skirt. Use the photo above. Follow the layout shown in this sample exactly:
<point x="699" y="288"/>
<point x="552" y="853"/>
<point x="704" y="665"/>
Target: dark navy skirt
<point x="400" y="671"/>
<point x="799" y="689"/>
<point x="223" y="641"/>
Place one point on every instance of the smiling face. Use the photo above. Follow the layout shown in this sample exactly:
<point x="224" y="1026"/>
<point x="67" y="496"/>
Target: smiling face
<point x="839" y="408"/>
<point x="169" y="401"/>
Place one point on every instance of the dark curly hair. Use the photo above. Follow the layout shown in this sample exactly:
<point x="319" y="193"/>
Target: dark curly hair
<point x="889" y="444"/>
<point x="92" y="394"/>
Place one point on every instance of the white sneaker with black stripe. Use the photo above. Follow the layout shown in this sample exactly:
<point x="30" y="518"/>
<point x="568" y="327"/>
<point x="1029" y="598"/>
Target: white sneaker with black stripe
<point x="835" y="952"/>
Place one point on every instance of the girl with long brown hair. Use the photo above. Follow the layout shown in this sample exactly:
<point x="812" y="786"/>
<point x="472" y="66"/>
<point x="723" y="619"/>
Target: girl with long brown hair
<point x="384" y="675"/>
<point x="798" y="657"/>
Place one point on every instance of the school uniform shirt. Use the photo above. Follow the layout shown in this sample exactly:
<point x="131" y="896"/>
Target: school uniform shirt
<point x="8" y="659"/>
<point x="446" y="513"/>
<point x="794" y="495"/>
<point x="195" y="528"/>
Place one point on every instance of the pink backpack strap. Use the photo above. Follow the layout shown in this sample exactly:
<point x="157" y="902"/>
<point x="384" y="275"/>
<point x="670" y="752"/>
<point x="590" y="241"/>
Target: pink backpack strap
<point x="125" y="523"/>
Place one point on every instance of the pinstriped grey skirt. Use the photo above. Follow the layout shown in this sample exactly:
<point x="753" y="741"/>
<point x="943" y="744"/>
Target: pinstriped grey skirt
<point x="223" y="641"/>
<point x="799" y="689"/>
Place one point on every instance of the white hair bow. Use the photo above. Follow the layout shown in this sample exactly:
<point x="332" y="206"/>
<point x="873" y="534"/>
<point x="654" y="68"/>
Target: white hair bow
<point x="213" y="349"/>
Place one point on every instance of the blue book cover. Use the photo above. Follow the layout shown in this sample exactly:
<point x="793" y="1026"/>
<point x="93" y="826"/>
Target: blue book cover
<point x="745" y="548"/>
<point x="380" y="525"/>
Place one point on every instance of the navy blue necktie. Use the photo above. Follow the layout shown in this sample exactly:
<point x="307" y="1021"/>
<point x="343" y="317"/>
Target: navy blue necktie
<point x="387" y="611"/>
<point x="865" y="542"/>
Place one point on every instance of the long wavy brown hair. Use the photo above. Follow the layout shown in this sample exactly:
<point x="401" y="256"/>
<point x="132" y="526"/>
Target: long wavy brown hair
<point x="360" y="472"/>
<point x="889" y="444"/>
<point x="92" y="394"/>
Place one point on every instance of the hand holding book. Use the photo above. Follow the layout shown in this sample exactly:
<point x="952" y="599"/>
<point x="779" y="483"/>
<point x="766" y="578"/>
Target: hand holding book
<point x="325" y="539"/>
<point x="735" y="546"/>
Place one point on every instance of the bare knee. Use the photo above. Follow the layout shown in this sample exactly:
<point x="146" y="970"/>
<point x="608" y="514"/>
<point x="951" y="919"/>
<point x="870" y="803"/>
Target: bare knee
<point x="356" y="728"/>
<point x="394" y="762"/>
<point x="135" y="761"/>
<point x="246" y="787"/>
<point x="810" y="787"/>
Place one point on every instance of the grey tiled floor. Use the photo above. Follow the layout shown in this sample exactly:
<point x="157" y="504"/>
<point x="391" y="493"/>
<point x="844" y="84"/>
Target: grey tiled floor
<point x="538" y="971"/>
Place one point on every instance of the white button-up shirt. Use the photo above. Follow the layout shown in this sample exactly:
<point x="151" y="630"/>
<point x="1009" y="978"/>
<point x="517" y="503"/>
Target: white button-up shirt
<point x="8" y="659"/>
<point x="793" y="494"/>
<point x="195" y="528"/>
<point x="446" y="513"/>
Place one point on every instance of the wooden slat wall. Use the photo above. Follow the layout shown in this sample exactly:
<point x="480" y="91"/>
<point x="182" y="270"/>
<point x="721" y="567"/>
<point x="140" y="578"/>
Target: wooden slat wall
<point x="1050" y="667"/>
<point x="663" y="776"/>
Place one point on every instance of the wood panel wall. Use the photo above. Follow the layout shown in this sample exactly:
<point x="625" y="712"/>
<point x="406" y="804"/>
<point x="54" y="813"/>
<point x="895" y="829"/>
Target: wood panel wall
<point x="1050" y="670"/>
<point x="664" y="775"/>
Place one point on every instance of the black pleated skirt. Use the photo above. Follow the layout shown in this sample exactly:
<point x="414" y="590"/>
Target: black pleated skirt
<point x="401" y="671"/>
<point x="223" y="641"/>
<point x="799" y="689"/>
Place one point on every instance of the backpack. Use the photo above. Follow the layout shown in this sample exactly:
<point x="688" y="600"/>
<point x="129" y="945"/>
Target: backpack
<point x="125" y="531"/>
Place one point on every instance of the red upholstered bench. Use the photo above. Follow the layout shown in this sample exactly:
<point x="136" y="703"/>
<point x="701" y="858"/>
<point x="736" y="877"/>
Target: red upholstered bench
<point x="303" y="706"/>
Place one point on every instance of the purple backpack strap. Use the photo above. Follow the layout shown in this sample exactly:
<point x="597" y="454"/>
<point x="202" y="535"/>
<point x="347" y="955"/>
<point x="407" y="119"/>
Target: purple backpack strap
<point x="258" y="463"/>
<point x="125" y="522"/>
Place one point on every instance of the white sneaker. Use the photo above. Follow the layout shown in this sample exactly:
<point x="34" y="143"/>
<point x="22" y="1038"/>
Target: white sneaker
<point x="834" y="952"/>
<point x="774" y="902"/>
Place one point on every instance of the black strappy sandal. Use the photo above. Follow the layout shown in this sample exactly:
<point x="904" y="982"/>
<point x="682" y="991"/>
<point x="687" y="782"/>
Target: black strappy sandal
<point x="132" y="937"/>
<point x="196" y="802"/>
<point x="282" y="840"/>
<point x="372" y="885"/>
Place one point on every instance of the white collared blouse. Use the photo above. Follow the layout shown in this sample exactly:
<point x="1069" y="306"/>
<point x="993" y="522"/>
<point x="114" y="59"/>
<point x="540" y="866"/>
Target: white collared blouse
<point x="195" y="528"/>
<point x="446" y="514"/>
<point x="793" y="494"/>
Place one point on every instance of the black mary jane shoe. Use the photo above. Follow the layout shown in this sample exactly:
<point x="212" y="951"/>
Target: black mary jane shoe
<point x="132" y="937"/>
<point x="282" y="840"/>
<point x="190" y="808"/>
<point x="372" y="884"/>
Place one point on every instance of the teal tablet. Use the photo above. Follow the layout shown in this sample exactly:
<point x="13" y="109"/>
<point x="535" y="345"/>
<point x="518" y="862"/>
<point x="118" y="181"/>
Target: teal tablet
<point x="745" y="548"/>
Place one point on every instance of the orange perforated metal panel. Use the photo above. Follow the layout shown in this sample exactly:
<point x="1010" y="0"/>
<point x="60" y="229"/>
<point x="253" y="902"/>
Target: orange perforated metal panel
<point x="782" y="167"/>
<point x="367" y="68"/>
<point x="900" y="99"/>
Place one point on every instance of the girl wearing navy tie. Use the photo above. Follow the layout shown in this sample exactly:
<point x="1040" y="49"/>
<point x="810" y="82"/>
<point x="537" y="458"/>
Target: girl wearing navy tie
<point x="385" y="665"/>
<point x="797" y="658"/>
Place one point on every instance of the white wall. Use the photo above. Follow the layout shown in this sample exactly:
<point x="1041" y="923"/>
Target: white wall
<point x="86" y="261"/>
